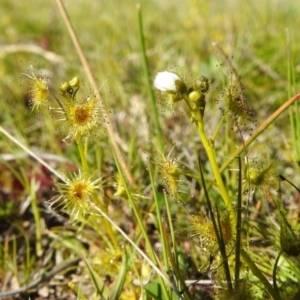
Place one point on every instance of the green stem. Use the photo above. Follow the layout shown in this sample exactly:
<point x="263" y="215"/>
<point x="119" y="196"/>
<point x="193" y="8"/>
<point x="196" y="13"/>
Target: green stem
<point x="159" y="220"/>
<point x="219" y="127"/>
<point x="223" y="250"/>
<point x="274" y="272"/>
<point x="294" y="110"/>
<point x="210" y="151"/>
<point x="238" y="230"/>
<point x="58" y="102"/>
<point x="171" y="227"/>
<point x="37" y="218"/>
<point x="158" y="131"/>
<point x="108" y="226"/>
<point x="82" y="152"/>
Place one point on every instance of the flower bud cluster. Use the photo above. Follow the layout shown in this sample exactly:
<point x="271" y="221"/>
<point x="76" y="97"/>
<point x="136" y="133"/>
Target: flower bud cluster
<point x="69" y="88"/>
<point x="175" y="89"/>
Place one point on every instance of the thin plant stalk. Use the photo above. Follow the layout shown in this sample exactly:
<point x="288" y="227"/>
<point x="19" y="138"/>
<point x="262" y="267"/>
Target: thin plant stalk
<point x="28" y="259"/>
<point x="159" y="221"/>
<point x="223" y="252"/>
<point x="174" y="256"/>
<point x="210" y="151"/>
<point x="32" y="154"/>
<point x="294" y="110"/>
<point x="238" y="228"/>
<point x="82" y="152"/>
<point x="219" y="127"/>
<point x="171" y="227"/>
<point x="37" y="218"/>
<point x="275" y="270"/>
<point x="14" y="256"/>
<point x="151" y="95"/>
<point x="108" y="226"/>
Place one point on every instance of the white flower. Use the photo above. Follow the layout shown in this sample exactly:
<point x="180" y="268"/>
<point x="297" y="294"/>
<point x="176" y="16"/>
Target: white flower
<point x="166" y="81"/>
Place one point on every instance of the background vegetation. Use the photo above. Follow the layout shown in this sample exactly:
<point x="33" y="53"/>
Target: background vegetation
<point x="261" y="40"/>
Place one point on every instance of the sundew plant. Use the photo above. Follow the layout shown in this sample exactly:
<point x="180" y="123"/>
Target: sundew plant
<point x="175" y="179"/>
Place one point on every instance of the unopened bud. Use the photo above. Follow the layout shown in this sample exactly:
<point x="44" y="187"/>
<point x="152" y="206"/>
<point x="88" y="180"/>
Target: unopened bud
<point x="74" y="82"/>
<point x="194" y="96"/>
<point x="202" y="84"/>
<point x="66" y="88"/>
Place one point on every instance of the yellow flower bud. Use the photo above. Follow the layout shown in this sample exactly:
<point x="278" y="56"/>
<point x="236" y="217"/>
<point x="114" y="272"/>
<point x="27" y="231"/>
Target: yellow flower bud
<point x="194" y="96"/>
<point x="74" y="82"/>
<point x="66" y="88"/>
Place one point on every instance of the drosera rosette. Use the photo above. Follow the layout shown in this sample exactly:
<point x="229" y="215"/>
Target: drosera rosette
<point x="260" y="174"/>
<point x="172" y="175"/>
<point x="75" y="195"/>
<point x="234" y="104"/>
<point x="289" y="238"/>
<point x="38" y="92"/>
<point x="201" y="230"/>
<point x="77" y="118"/>
<point x="175" y="88"/>
<point x="82" y="118"/>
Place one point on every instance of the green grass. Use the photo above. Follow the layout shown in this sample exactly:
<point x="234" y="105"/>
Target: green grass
<point x="137" y="241"/>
